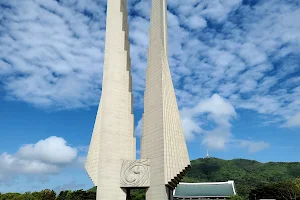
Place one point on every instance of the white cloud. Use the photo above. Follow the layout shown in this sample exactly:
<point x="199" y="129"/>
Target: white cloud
<point x="195" y="22"/>
<point x="14" y="164"/>
<point x="218" y="138"/>
<point x="54" y="52"/>
<point x="220" y="112"/>
<point x="190" y="127"/>
<point x="80" y="161"/>
<point x="253" y="146"/>
<point x="294" y="121"/>
<point x="46" y="157"/>
<point x="218" y="9"/>
<point x="138" y="128"/>
<point x="217" y="110"/>
<point x="51" y="150"/>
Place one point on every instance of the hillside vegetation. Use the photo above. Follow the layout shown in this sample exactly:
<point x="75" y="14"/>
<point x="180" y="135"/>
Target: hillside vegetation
<point x="247" y="174"/>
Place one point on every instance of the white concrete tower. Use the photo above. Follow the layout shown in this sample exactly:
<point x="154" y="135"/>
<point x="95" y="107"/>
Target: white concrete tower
<point x="113" y="139"/>
<point x="163" y="141"/>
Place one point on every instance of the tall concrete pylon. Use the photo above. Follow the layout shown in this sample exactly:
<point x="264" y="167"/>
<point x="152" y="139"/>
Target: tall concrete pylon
<point x="111" y="162"/>
<point x="163" y="141"/>
<point x="113" y="135"/>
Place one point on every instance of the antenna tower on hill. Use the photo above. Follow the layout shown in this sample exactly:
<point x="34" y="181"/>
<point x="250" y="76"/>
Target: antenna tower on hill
<point x="207" y="155"/>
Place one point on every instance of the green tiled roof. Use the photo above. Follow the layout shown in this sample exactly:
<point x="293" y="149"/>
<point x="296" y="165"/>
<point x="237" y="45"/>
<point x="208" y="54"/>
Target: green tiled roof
<point x="204" y="189"/>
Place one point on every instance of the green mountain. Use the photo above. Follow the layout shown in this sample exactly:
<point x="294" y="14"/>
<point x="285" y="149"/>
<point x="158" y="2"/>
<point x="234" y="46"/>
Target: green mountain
<point x="246" y="173"/>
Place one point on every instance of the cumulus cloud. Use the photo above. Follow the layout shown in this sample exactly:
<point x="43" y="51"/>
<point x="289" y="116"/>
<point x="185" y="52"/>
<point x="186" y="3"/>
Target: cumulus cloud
<point x="217" y="139"/>
<point x="218" y="9"/>
<point x="52" y="150"/>
<point x="253" y="146"/>
<point x="138" y="128"/>
<point x="46" y="157"/>
<point x="195" y="22"/>
<point x="190" y="127"/>
<point x="294" y="121"/>
<point x="80" y="161"/>
<point x="215" y="109"/>
<point x="14" y="164"/>
<point x="220" y="112"/>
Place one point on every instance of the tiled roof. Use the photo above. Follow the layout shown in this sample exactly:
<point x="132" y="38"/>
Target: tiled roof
<point x="217" y="189"/>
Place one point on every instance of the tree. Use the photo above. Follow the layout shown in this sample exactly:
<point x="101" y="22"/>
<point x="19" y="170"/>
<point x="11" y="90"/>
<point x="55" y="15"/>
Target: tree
<point x="37" y="195"/>
<point x="9" y="196"/>
<point x="62" y="195"/>
<point x="69" y="195"/>
<point x="297" y="183"/>
<point x="26" y="196"/>
<point x="93" y="189"/>
<point x="48" y="194"/>
<point x="236" y="197"/>
<point x="266" y="191"/>
<point x="138" y="194"/>
<point x="284" y="190"/>
<point x="79" y="195"/>
<point x="289" y="190"/>
<point x="91" y="195"/>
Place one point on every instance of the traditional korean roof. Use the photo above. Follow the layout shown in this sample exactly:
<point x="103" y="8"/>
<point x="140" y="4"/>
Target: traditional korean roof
<point x="214" y="189"/>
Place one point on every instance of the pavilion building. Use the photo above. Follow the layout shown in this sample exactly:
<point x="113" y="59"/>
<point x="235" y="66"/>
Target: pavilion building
<point x="210" y="190"/>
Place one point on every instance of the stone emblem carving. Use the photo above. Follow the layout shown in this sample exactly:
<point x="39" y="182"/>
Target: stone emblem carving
<point x="135" y="173"/>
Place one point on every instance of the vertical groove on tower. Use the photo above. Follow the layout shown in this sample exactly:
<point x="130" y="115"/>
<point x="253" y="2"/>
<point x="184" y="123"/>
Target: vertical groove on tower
<point x="113" y="139"/>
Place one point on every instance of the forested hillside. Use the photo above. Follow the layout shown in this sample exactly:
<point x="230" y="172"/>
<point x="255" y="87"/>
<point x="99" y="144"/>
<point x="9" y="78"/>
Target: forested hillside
<point x="246" y="173"/>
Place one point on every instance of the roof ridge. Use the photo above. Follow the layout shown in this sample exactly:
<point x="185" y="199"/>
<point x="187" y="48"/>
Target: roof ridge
<point x="208" y="183"/>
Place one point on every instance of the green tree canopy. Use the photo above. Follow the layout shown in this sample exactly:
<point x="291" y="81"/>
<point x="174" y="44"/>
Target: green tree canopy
<point x="284" y="190"/>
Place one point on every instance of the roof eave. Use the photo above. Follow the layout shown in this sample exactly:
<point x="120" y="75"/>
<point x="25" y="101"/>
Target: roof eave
<point x="200" y="196"/>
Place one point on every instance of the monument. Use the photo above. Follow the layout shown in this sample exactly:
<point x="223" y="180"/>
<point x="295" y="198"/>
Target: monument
<point x="111" y="162"/>
<point x="113" y="135"/>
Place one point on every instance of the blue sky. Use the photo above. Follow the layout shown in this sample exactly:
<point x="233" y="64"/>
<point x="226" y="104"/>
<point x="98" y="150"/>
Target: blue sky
<point x="235" y="67"/>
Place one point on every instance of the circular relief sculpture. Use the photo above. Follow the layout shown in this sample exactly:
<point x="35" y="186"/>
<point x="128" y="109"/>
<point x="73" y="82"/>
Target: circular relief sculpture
<point x="135" y="173"/>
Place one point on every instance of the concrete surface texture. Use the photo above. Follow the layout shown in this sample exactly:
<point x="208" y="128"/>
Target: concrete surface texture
<point x="113" y="135"/>
<point x="163" y="140"/>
